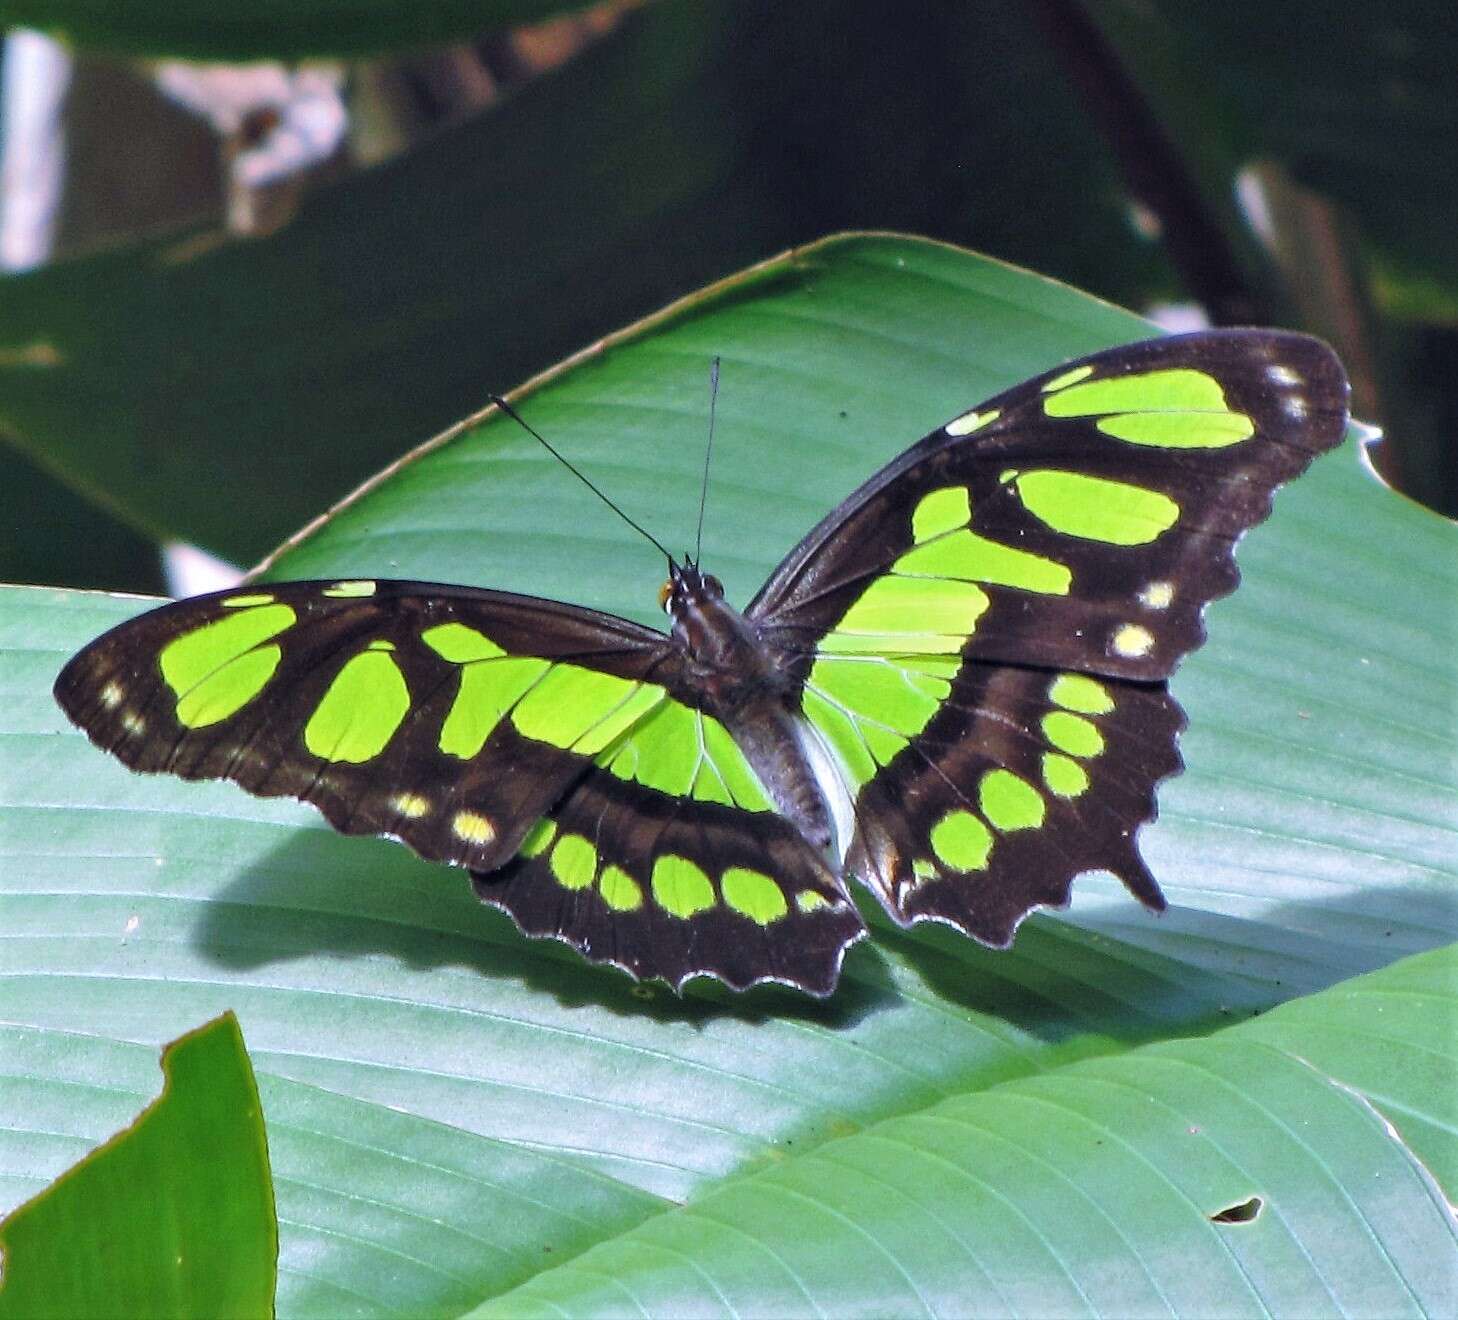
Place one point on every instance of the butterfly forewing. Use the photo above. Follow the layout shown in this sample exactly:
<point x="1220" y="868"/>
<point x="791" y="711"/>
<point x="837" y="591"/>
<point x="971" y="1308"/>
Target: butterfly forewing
<point x="1082" y="519"/>
<point x="400" y="708"/>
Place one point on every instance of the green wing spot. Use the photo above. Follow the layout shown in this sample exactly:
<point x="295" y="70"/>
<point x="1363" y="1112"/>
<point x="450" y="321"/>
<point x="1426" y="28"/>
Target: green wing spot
<point x="1070" y="377"/>
<point x="229" y="689"/>
<point x="867" y="707"/>
<point x="909" y="615"/>
<point x="1064" y="777"/>
<point x="488" y="690"/>
<point x="209" y="655"/>
<point x="1073" y="734"/>
<point x="574" y="862"/>
<point x="1177" y="408"/>
<point x="961" y="841"/>
<point x="568" y="702"/>
<point x="365" y="704"/>
<point x="965" y="554"/>
<point x="879" y="689"/>
<point x="538" y="838"/>
<point x="1189" y="430"/>
<point x="843" y="736"/>
<point x="351" y="590"/>
<point x="1010" y="803"/>
<point x="1079" y="692"/>
<point x="807" y="900"/>
<point x="194" y="656"/>
<point x="1171" y="389"/>
<point x="941" y="511"/>
<point x="459" y="644"/>
<point x="239" y="602"/>
<point x="680" y="888"/>
<point x="732" y="767"/>
<point x="753" y="895"/>
<point x="619" y="890"/>
<point x="613" y="726"/>
<point x="663" y="752"/>
<point x="1095" y="508"/>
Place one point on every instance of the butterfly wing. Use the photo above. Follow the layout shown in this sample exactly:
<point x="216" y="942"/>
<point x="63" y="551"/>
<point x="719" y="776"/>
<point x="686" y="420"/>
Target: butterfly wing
<point x="455" y="719"/>
<point x="672" y="886"/>
<point x="983" y="629"/>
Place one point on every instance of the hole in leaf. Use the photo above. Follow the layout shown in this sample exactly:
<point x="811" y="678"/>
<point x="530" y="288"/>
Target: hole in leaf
<point x="1243" y="1212"/>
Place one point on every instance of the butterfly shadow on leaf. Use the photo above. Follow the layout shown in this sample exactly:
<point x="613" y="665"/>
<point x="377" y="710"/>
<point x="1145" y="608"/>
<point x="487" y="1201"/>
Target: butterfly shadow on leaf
<point x="317" y="895"/>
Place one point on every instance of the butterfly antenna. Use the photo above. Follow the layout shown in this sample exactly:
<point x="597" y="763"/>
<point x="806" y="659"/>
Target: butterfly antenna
<point x="576" y="472"/>
<point x="708" y="454"/>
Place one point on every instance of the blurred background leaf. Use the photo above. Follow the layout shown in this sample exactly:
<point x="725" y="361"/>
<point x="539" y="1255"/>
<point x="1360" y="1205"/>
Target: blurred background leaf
<point x="526" y="200"/>
<point x="270" y="29"/>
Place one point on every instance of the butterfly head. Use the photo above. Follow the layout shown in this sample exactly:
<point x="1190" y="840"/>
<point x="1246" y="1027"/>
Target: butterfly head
<point x="687" y="589"/>
<point x="711" y="632"/>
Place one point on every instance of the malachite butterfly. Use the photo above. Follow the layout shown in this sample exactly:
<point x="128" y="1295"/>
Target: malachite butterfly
<point x="953" y="690"/>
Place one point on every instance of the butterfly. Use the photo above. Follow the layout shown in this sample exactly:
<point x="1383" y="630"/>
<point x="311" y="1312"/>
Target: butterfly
<point x="952" y="691"/>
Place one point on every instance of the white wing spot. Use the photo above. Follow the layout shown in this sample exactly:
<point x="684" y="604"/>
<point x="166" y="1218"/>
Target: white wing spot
<point x="133" y="723"/>
<point x="1131" y="641"/>
<point x="111" y="695"/>
<point x="473" y="827"/>
<point x="971" y="421"/>
<point x="1157" y="595"/>
<point x="1283" y="375"/>
<point x="1294" y="405"/>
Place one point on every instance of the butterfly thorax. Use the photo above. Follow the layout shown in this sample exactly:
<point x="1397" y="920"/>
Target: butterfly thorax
<point x="738" y="679"/>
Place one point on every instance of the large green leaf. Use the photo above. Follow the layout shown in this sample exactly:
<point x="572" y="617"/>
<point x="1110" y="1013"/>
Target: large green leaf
<point x="172" y="1217"/>
<point x="1100" y="1188"/>
<point x="454" y="1109"/>
<point x="225" y="392"/>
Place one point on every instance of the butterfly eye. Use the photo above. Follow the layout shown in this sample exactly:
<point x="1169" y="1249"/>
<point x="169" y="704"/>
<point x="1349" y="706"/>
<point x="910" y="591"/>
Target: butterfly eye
<point x="664" y="592"/>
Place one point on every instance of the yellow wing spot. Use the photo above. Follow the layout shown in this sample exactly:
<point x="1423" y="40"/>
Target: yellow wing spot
<point x="972" y="421"/>
<point x="241" y="602"/>
<point x="410" y="805"/>
<point x="1131" y="641"/>
<point x="361" y="587"/>
<point x="111" y="695"/>
<point x="807" y="900"/>
<point x="133" y="723"/>
<point x="473" y="827"/>
<point x="1157" y="595"/>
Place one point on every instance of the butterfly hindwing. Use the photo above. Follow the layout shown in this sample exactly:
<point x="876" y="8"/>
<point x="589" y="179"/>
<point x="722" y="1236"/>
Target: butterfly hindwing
<point x="1024" y="779"/>
<point x="671" y="887"/>
<point x="982" y="630"/>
